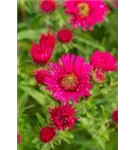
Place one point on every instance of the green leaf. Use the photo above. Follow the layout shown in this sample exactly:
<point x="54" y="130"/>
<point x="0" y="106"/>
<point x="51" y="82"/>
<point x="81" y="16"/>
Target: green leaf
<point x="28" y="107"/>
<point x="66" y="140"/>
<point x="40" y="119"/>
<point x="113" y="143"/>
<point x="30" y="34"/>
<point x="38" y="96"/>
<point x="23" y="100"/>
<point x="52" y="145"/>
<point x="100" y="142"/>
<point x="91" y="43"/>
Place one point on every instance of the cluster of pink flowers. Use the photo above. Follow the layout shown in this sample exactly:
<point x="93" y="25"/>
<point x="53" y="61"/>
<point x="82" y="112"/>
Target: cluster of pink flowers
<point x="70" y="78"/>
<point x="102" y="62"/>
<point x="83" y="13"/>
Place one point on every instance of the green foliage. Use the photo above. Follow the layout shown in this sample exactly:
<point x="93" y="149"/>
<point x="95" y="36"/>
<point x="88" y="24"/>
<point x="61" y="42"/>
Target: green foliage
<point x="95" y="129"/>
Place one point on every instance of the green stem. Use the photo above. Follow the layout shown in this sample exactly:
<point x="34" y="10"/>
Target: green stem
<point x="95" y="45"/>
<point x="101" y="91"/>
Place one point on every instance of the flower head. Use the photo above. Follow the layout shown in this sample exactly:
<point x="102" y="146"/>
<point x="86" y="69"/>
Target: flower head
<point x="47" y="6"/>
<point x="115" y="116"/>
<point x="86" y="13"/>
<point x="65" y="35"/>
<point x="69" y="78"/>
<point x="47" y="134"/>
<point x="114" y="3"/>
<point x="63" y="117"/>
<point x="40" y="76"/>
<point x="104" y="61"/>
<point x="98" y="75"/>
<point x="42" y="52"/>
<point x="18" y="138"/>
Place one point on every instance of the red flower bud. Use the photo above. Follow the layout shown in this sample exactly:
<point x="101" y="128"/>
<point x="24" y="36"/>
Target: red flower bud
<point x="115" y="116"/>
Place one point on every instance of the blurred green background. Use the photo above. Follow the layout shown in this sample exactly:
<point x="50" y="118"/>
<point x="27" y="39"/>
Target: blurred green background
<point x="95" y="129"/>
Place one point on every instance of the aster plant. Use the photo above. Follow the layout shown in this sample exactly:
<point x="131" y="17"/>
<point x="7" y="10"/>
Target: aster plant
<point x="67" y="75"/>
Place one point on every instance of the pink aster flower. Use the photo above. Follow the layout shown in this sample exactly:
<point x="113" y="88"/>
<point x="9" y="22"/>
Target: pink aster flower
<point x="104" y="61"/>
<point x="86" y="13"/>
<point x="40" y="75"/>
<point x="115" y="116"/>
<point x="65" y="35"/>
<point x="63" y="117"/>
<point x="18" y="138"/>
<point x="48" y="6"/>
<point x="42" y="52"/>
<point x="69" y="78"/>
<point x="98" y="75"/>
<point x="47" y="134"/>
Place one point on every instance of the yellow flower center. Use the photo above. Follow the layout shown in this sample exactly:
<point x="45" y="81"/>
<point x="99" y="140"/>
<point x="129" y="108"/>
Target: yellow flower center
<point x="84" y="9"/>
<point x="69" y="82"/>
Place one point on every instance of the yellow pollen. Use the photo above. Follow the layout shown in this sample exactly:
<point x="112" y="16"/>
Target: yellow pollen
<point x="84" y="9"/>
<point x="69" y="82"/>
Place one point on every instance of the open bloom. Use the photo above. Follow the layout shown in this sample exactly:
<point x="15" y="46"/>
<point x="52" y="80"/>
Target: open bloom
<point x="65" y="35"/>
<point x="47" y="6"/>
<point x="40" y="75"/>
<point x="86" y="13"/>
<point x="47" y="134"/>
<point x="63" y="117"/>
<point x="115" y="116"/>
<point x="104" y="61"/>
<point x="18" y="138"/>
<point x="41" y="53"/>
<point x="69" y="78"/>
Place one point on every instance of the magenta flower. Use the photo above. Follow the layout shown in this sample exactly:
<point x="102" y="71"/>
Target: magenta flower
<point x="69" y="78"/>
<point x="40" y="75"/>
<point x="47" y="6"/>
<point x="86" y="13"/>
<point x="47" y="134"/>
<point x="18" y="138"/>
<point x="63" y="117"/>
<point x="104" y="61"/>
<point x="115" y="116"/>
<point x="98" y="75"/>
<point x="65" y="35"/>
<point x="42" y="52"/>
